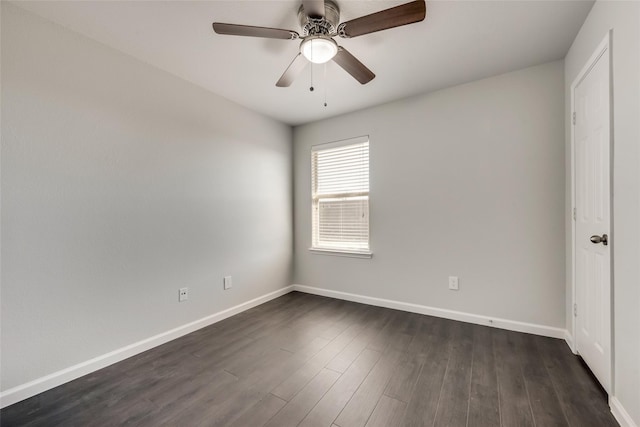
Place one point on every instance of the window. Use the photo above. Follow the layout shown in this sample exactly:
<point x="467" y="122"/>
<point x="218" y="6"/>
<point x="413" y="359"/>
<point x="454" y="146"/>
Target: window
<point x="340" y="197"/>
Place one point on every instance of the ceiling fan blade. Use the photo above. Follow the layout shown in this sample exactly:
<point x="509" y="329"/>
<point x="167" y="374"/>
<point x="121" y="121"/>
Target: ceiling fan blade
<point x="404" y="14"/>
<point x="250" y="31"/>
<point x="295" y="68"/>
<point x="313" y="8"/>
<point x="352" y="66"/>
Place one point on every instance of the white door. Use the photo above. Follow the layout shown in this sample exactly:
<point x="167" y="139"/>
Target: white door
<point x="593" y="225"/>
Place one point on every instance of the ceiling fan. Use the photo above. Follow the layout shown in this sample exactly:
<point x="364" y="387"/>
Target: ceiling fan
<point x="319" y="21"/>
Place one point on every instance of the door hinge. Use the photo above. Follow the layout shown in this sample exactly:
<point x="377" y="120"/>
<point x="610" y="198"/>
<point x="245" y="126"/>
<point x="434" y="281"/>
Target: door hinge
<point x="574" y="214"/>
<point x="574" y="117"/>
<point x="575" y="310"/>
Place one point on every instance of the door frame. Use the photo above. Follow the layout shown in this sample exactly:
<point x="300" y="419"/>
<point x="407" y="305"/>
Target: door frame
<point x="604" y="48"/>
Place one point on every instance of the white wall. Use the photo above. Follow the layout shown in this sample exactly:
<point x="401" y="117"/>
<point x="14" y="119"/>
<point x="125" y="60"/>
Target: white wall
<point x="624" y="19"/>
<point x="121" y="184"/>
<point x="466" y="181"/>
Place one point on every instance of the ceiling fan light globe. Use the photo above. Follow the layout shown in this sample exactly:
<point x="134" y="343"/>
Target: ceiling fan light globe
<point x="319" y="49"/>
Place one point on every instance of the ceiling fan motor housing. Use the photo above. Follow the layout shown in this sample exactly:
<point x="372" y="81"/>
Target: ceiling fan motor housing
<point x="321" y="25"/>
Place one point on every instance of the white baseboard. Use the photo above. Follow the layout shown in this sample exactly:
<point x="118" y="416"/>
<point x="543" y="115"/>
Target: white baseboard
<point x="511" y="325"/>
<point x="621" y="415"/>
<point x="24" y="391"/>
<point x="55" y="379"/>
<point x="568" y="338"/>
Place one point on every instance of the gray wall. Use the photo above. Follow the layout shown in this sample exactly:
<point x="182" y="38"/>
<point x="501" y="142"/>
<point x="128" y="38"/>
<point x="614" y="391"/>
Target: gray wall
<point x="467" y="181"/>
<point x="121" y="184"/>
<point x="624" y="19"/>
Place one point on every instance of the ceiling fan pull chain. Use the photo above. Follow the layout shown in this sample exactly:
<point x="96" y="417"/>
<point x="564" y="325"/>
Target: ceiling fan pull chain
<point x="325" y="84"/>
<point x="311" y="63"/>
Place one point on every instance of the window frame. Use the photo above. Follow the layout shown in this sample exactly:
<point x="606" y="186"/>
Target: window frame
<point x="335" y="251"/>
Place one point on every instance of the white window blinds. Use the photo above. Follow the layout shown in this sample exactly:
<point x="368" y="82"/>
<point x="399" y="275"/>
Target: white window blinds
<point x="340" y="193"/>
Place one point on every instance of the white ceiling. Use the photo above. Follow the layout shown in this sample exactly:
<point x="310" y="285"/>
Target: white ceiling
<point x="459" y="41"/>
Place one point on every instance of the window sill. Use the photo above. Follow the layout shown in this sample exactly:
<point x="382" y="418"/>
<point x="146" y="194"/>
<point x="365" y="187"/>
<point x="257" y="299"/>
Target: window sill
<point x="337" y="252"/>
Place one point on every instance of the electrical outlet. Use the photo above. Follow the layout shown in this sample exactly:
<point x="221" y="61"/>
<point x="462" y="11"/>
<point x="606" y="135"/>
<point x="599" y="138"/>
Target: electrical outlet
<point x="183" y="294"/>
<point x="453" y="283"/>
<point x="228" y="284"/>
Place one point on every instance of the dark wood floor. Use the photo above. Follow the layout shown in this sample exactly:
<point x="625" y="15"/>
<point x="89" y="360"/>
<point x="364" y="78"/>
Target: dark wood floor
<point x="314" y="361"/>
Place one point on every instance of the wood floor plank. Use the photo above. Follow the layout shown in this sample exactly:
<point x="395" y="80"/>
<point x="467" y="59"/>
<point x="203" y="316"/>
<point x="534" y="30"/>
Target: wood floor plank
<point x="259" y="360"/>
<point x="404" y="378"/>
<point x="132" y="412"/>
<point x="545" y="406"/>
<point x="327" y="322"/>
<point x="292" y="337"/>
<point x="582" y="401"/>
<point x="245" y="322"/>
<point x="377" y="321"/>
<point x="454" y="396"/>
<point x="186" y="387"/>
<point x="484" y="404"/>
<point x="332" y="403"/>
<point x="350" y="313"/>
<point x="323" y="359"/>
<point x="261" y="412"/>
<point x="380" y="339"/>
<point x="364" y="400"/>
<point x="299" y="378"/>
<point x="247" y="392"/>
<point x="343" y="360"/>
<point x="187" y="406"/>
<point x="388" y="413"/>
<point x="298" y="407"/>
<point x="224" y="408"/>
<point x="289" y="317"/>
<point x="296" y="382"/>
<point x="515" y="409"/>
<point x="421" y="409"/>
<point x="223" y="347"/>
